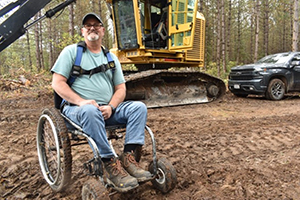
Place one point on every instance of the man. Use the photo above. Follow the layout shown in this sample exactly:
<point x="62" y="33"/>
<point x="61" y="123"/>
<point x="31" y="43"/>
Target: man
<point x="96" y="100"/>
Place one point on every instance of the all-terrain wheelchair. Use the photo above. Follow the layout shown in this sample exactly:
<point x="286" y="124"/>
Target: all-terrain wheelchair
<point x="56" y="134"/>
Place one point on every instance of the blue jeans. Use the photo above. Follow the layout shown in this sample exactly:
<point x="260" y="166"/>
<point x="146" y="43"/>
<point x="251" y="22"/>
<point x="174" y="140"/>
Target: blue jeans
<point x="131" y="113"/>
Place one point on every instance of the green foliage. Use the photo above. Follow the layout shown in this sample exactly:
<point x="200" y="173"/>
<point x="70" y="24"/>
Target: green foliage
<point x="129" y="67"/>
<point x="67" y="39"/>
<point x="12" y="59"/>
<point x="232" y="64"/>
<point x="212" y="69"/>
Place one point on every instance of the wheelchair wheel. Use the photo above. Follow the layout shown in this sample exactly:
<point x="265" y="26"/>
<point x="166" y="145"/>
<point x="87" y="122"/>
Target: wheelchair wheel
<point x="94" y="189"/>
<point x="166" y="178"/>
<point x="54" y="149"/>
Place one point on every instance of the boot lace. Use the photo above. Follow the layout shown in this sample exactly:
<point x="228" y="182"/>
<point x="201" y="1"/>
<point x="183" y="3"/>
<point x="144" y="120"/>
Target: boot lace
<point x="132" y="160"/>
<point x="117" y="168"/>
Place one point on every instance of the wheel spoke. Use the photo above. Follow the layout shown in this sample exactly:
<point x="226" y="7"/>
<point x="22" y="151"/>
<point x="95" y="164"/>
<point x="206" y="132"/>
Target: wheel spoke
<point x="54" y="154"/>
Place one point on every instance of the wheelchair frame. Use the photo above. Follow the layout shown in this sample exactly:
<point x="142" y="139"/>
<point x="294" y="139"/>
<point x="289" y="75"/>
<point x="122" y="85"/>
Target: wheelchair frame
<point x="55" y="158"/>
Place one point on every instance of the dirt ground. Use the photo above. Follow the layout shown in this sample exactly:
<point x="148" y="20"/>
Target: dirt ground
<point x="233" y="148"/>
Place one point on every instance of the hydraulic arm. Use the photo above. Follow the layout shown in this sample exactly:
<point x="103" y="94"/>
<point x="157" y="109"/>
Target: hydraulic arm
<point x="14" y="26"/>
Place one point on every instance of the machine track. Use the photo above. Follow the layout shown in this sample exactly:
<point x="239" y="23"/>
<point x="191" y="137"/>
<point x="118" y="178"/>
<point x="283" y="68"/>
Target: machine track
<point x="161" y="88"/>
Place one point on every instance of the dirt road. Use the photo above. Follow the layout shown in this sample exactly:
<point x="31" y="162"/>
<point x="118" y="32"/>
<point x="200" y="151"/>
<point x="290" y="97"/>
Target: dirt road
<point x="235" y="148"/>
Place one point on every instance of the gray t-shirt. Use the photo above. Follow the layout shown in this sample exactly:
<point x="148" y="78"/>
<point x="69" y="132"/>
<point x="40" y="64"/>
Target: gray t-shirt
<point x="99" y="86"/>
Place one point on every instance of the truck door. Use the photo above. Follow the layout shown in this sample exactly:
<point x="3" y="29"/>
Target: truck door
<point x="296" y="71"/>
<point x="182" y="15"/>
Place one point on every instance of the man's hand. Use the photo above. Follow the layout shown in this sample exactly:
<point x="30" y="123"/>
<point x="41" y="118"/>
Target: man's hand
<point x="106" y="111"/>
<point x="85" y="102"/>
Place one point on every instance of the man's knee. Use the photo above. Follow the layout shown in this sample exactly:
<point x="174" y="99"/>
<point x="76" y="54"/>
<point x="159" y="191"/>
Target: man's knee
<point x="89" y="110"/>
<point x="140" y="106"/>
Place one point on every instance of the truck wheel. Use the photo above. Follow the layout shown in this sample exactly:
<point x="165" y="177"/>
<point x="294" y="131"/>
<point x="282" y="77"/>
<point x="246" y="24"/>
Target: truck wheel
<point x="276" y="89"/>
<point x="166" y="178"/>
<point x="94" y="189"/>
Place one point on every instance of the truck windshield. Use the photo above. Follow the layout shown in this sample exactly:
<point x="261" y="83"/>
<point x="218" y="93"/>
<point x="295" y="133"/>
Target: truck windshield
<point x="125" y="24"/>
<point x="275" y="59"/>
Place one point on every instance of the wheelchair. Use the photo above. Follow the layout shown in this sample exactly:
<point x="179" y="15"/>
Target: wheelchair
<point x="56" y="134"/>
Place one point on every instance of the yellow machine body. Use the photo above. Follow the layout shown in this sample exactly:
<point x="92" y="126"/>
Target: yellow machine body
<point x="159" y="37"/>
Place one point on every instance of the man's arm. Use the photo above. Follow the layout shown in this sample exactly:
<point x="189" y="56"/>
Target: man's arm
<point x="117" y="98"/>
<point x="61" y="87"/>
<point x="119" y="95"/>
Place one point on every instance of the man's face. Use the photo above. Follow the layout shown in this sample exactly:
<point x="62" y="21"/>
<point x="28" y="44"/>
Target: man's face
<point x="92" y="29"/>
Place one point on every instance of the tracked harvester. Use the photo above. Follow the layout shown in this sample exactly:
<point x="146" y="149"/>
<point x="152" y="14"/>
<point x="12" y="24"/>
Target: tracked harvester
<point x="164" y="40"/>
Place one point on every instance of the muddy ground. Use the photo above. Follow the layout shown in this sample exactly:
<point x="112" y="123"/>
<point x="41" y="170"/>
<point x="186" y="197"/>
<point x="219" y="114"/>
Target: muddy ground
<point x="234" y="148"/>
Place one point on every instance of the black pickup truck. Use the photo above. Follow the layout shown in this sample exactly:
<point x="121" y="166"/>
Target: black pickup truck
<point x="272" y="76"/>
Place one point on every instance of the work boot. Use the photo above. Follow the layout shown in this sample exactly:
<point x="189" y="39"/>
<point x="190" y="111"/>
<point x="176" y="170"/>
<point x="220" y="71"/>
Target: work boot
<point x="118" y="177"/>
<point x="132" y="167"/>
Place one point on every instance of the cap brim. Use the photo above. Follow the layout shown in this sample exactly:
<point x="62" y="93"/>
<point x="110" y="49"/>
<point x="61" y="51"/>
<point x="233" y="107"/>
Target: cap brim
<point x="93" y="15"/>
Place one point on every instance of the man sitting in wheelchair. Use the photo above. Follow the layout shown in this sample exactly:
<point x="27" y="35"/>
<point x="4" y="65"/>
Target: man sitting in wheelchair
<point x="96" y="99"/>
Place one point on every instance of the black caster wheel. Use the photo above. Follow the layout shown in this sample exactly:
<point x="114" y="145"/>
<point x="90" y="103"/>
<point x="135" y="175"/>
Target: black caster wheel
<point x="166" y="178"/>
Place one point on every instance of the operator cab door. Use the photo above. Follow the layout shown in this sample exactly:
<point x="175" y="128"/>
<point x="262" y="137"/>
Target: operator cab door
<point x="127" y="31"/>
<point x="182" y="15"/>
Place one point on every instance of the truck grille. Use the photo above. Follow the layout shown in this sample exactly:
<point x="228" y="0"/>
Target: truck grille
<point x="243" y="75"/>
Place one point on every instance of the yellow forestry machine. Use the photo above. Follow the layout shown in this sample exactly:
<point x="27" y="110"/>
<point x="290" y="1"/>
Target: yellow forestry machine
<point x="163" y="39"/>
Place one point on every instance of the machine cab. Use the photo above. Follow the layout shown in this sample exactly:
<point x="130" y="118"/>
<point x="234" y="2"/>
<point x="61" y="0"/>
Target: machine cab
<point x="154" y="24"/>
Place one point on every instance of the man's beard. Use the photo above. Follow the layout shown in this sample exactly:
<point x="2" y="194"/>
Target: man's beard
<point x="93" y="37"/>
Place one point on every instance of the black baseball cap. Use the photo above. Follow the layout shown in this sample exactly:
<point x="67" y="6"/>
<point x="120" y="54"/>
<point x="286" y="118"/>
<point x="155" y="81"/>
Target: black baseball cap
<point x="91" y="15"/>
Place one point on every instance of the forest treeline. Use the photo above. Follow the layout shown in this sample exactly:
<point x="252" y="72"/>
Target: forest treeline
<point x="237" y="32"/>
